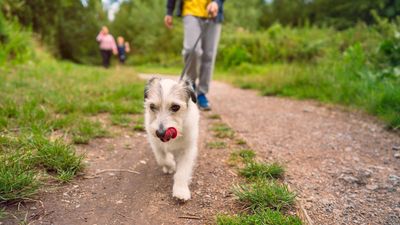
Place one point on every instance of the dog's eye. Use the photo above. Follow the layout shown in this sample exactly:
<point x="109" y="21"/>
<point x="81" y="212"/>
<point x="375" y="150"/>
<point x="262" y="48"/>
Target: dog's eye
<point x="175" y="108"/>
<point x="153" y="107"/>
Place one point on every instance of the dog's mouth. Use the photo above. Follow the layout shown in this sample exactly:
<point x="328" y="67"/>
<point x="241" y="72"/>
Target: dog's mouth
<point x="169" y="134"/>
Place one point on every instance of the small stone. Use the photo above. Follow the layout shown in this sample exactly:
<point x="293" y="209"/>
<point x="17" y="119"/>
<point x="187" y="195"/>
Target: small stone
<point x="33" y="208"/>
<point x="143" y="162"/>
<point x="372" y="187"/>
<point x="396" y="148"/>
<point x="394" y="179"/>
<point x="397" y="155"/>
<point x="348" y="178"/>
<point x="77" y="206"/>
<point x="119" y="202"/>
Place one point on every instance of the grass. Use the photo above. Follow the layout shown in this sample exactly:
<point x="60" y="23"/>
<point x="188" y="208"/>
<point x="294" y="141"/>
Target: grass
<point x="139" y="124"/>
<point x="243" y="155"/>
<point x="214" y="117"/>
<point x="120" y="120"/>
<point x="241" y="142"/>
<point x="221" y="130"/>
<point x="47" y="99"/>
<point x="264" y="217"/>
<point x="58" y="157"/>
<point x="255" y="170"/>
<point x="87" y="130"/>
<point x="265" y="199"/>
<point x="216" y="145"/>
<point x="264" y="194"/>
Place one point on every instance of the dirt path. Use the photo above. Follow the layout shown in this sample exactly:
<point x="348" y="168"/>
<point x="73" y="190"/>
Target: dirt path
<point x="142" y="195"/>
<point x="345" y="166"/>
<point x="341" y="164"/>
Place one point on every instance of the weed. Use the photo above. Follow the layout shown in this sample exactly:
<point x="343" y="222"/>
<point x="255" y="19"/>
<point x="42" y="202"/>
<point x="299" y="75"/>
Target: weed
<point x="244" y="155"/>
<point x="139" y="124"/>
<point x="241" y="142"/>
<point x="221" y="130"/>
<point x="254" y="170"/>
<point x="264" y="217"/>
<point x="87" y="130"/>
<point x="17" y="180"/>
<point x="3" y="213"/>
<point x="264" y="194"/>
<point x="120" y="120"/>
<point x="216" y="145"/>
<point x="214" y="117"/>
<point x="57" y="157"/>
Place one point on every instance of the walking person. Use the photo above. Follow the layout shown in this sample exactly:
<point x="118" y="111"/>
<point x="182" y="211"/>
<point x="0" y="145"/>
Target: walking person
<point x="107" y="46"/>
<point x="196" y="19"/>
<point x="123" y="48"/>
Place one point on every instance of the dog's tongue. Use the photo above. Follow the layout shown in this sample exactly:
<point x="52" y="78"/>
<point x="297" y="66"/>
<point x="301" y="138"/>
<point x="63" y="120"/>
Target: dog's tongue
<point x="170" y="133"/>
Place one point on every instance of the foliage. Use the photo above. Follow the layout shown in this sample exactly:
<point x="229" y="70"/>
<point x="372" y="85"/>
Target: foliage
<point x="264" y="194"/>
<point x="264" y="217"/>
<point x="254" y="170"/>
<point x="66" y="26"/>
<point x="15" y="43"/>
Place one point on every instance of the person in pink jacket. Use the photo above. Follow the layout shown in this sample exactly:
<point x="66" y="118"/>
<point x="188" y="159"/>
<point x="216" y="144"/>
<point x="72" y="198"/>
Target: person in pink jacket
<point x="107" y="46"/>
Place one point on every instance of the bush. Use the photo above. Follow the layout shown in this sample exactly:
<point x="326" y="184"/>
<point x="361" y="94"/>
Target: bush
<point x="15" y="43"/>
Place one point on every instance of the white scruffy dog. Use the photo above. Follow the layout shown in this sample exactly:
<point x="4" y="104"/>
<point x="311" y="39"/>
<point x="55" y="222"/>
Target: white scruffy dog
<point x="172" y="126"/>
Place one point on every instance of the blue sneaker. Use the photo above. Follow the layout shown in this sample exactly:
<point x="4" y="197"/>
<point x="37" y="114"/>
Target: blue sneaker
<point x="202" y="102"/>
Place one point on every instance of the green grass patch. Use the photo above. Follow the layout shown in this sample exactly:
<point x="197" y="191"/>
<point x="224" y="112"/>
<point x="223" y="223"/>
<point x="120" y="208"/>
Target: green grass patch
<point x="3" y="213"/>
<point x="264" y="217"/>
<point x="214" y="117"/>
<point x="255" y="170"/>
<point x="243" y="155"/>
<point x="87" y="130"/>
<point x="17" y="180"/>
<point x="221" y="130"/>
<point x="58" y="157"/>
<point x="139" y="124"/>
<point x="121" y="120"/>
<point x="216" y="145"/>
<point x="263" y="194"/>
<point x="241" y="142"/>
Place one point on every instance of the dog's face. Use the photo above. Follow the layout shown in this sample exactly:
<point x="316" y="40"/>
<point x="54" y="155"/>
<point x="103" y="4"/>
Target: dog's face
<point x="166" y="105"/>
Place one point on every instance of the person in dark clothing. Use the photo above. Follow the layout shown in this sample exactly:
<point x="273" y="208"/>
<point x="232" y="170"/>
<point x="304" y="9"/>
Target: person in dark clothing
<point x="123" y="48"/>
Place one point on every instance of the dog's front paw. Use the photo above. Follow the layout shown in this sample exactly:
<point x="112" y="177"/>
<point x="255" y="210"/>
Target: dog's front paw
<point x="168" y="170"/>
<point x="181" y="192"/>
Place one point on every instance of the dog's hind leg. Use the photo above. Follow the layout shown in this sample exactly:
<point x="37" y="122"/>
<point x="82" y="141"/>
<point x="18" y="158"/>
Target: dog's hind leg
<point x="183" y="174"/>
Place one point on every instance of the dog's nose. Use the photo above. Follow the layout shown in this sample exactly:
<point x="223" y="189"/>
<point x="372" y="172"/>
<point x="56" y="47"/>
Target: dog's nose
<point x="160" y="132"/>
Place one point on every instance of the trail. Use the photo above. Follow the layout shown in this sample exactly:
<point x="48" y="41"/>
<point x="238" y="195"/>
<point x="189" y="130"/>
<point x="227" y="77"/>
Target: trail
<point x="340" y="163"/>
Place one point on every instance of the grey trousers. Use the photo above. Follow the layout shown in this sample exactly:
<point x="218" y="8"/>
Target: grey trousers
<point x="202" y="64"/>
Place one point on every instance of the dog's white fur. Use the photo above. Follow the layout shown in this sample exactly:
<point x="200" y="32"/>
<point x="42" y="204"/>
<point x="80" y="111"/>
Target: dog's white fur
<point x="177" y="155"/>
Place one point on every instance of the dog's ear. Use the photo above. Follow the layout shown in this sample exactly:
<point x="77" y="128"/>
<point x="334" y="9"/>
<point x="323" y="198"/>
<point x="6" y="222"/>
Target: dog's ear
<point x="188" y="85"/>
<point x="147" y="87"/>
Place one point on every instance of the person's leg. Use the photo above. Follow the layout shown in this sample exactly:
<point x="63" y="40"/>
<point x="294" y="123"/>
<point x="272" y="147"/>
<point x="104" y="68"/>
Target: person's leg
<point x="108" y="58"/>
<point x="209" y="46"/>
<point x="192" y="29"/>
<point x="104" y="57"/>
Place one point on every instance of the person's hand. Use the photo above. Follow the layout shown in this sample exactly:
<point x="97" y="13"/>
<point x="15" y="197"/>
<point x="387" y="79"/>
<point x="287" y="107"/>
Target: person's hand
<point x="212" y="9"/>
<point x="115" y="51"/>
<point x="168" y="21"/>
